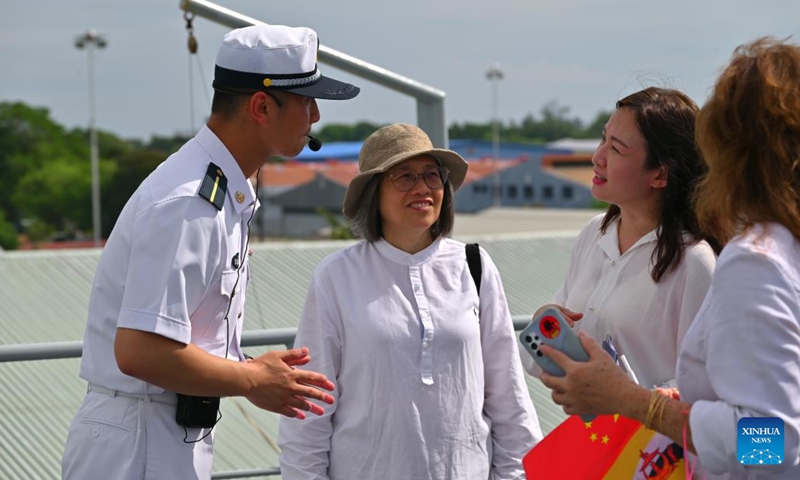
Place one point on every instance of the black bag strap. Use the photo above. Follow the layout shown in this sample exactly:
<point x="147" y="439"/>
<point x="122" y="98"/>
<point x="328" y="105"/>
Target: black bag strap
<point x="474" y="262"/>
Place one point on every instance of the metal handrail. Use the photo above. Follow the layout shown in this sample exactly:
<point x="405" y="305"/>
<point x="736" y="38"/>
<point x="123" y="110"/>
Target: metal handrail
<point x="58" y="350"/>
<point x="258" y="472"/>
<point x="252" y="338"/>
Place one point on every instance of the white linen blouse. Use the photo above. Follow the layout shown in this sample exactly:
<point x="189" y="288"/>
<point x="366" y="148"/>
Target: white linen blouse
<point x="428" y="381"/>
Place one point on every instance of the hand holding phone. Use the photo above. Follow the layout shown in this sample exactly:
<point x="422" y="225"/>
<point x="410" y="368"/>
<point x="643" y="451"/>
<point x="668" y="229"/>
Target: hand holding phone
<point x="551" y="328"/>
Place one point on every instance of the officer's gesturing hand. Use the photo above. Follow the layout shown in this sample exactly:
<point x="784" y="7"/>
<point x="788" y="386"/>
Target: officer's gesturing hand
<point x="282" y="389"/>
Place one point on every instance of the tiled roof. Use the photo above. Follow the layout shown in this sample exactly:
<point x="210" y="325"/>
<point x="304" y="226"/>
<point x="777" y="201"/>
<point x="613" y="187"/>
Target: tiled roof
<point x="273" y="175"/>
<point x="43" y="298"/>
<point x="479" y="169"/>
<point x="341" y="173"/>
<point x="579" y="175"/>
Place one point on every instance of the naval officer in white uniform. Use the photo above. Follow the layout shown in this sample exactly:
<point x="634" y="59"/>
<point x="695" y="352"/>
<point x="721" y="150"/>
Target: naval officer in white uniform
<point x="165" y="313"/>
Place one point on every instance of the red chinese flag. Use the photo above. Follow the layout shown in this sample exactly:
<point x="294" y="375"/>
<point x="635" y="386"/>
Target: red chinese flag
<point x="580" y="450"/>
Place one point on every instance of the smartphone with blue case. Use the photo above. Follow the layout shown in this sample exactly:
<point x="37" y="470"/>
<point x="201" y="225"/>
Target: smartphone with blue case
<point x="550" y="328"/>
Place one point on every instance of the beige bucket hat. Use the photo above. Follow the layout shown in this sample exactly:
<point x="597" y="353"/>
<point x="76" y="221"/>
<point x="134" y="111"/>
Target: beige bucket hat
<point x="394" y="144"/>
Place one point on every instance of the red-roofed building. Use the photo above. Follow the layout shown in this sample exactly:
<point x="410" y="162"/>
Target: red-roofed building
<point x="292" y="193"/>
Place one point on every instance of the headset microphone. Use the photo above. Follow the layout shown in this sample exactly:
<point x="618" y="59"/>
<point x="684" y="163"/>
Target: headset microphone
<point x="314" y="143"/>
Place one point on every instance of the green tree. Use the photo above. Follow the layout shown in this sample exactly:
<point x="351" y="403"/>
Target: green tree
<point x="165" y="145"/>
<point x="553" y="124"/>
<point x="38" y="231"/>
<point x="472" y="131"/>
<point x="339" y="132"/>
<point x="29" y="139"/>
<point x="59" y="192"/>
<point x="50" y="194"/>
<point x="595" y="129"/>
<point x="338" y="231"/>
<point x="48" y="169"/>
<point x="8" y="234"/>
<point x="129" y="171"/>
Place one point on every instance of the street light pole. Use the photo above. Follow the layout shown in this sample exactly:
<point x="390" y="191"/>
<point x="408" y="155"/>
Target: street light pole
<point x="494" y="75"/>
<point x="91" y="40"/>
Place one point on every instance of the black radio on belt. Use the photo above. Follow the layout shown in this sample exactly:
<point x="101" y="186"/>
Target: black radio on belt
<point x="197" y="412"/>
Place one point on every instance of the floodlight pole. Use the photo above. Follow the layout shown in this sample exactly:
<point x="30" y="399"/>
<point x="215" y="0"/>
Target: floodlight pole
<point x="91" y="40"/>
<point x="494" y="75"/>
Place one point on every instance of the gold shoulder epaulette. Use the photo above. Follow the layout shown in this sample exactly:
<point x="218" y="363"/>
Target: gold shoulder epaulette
<point x="214" y="186"/>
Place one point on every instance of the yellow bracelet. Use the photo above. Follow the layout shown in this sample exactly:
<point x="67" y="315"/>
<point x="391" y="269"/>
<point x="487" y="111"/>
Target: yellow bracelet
<point x="651" y="409"/>
<point x="656" y="409"/>
<point x="664" y="400"/>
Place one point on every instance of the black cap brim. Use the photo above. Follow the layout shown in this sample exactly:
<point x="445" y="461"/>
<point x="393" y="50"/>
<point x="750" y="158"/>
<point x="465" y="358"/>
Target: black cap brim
<point x="327" y="89"/>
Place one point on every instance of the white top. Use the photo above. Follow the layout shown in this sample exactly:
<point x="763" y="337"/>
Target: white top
<point x="617" y="296"/>
<point x="741" y="358"/>
<point x="428" y="380"/>
<point x="168" y="265"/>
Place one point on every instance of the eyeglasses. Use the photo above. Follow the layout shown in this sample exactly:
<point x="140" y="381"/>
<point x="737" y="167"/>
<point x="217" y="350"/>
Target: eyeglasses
<point x="405" y="180"/>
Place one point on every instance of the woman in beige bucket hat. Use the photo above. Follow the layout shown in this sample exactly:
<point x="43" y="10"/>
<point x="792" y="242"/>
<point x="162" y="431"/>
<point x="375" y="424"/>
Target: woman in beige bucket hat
<point x="429" y="384"/>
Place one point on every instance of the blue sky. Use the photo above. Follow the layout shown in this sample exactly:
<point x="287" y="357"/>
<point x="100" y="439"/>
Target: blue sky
<point x="585" y="54"/>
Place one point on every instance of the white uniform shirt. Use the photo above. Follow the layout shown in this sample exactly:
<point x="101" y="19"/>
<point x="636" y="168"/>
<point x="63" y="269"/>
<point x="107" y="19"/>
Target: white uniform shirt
<point x="741" y="358"/>
<point x="617" y="296"/>
<point x="168" y="266"/>
<point x="428" y="380"/>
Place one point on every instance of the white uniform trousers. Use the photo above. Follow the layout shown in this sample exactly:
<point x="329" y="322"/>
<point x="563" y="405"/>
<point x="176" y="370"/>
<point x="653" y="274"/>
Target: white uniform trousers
<point x="116" y="437"/>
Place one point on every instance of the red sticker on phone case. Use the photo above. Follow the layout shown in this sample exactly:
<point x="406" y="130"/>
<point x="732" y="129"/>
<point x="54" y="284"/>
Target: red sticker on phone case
<point x="550" y="327"/>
